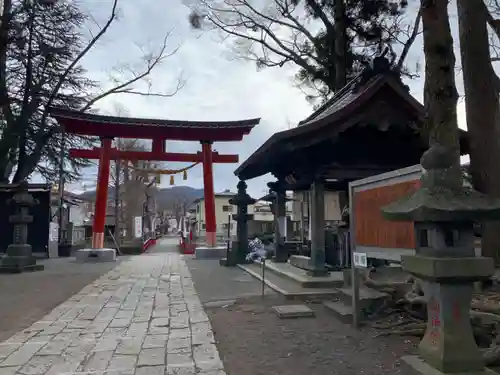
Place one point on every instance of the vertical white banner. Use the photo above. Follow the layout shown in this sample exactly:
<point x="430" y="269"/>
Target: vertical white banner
<point x="138" y="227"/>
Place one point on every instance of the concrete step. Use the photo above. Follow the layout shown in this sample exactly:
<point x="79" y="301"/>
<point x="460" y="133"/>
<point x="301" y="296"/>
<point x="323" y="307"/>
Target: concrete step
<point x="368" y="298"/>
<point x="300" y="276"/>
<point x="342" y="311"/>
<point x="286" y="286"/>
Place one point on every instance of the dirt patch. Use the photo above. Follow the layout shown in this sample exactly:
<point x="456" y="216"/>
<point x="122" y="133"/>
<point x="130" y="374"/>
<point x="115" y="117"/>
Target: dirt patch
<point x="28" y="297"/>
<point x="252" y="340"/>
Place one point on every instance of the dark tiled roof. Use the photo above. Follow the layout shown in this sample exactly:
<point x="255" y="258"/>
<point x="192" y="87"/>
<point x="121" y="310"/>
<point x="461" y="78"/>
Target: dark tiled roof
<point x="65" y="114"/>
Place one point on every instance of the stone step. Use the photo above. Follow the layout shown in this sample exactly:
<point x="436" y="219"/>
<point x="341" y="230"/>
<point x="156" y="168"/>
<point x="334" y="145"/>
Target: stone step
<point x="286" y="286"/>
<point x="300" y="276"/>
<point x="341" y="310"/>
<point x="368" y="298"/>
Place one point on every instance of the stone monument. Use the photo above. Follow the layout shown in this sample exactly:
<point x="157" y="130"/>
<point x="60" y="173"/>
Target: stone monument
<point x="239" y="248"/>
<point x="443" y="212"/>
<point x="18" y="257"/>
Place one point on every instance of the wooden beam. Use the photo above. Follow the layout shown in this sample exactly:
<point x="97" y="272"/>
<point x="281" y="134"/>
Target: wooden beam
<point x="152" y="156"/>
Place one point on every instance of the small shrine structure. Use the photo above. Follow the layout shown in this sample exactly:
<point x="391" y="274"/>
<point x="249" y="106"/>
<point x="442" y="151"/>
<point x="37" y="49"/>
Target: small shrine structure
<point x="159" y="131"/>
<point x="372" y="126"/>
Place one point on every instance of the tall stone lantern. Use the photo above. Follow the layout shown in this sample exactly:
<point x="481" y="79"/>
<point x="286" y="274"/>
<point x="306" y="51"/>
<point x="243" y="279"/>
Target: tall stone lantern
<point x="443" y="212"/>
<point x="239" y="248"/>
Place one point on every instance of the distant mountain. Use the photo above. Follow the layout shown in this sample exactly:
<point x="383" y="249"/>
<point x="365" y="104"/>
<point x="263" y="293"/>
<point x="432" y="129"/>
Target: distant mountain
<point x="165" y="197"/>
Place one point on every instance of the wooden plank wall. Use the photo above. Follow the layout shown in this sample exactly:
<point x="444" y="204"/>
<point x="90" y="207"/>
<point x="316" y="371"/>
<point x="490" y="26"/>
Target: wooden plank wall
<point x="371" y="229"/>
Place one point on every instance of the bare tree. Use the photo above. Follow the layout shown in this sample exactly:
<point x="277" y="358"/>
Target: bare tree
<point x="328" y="41"/>
<point x="41" y="48"/>
<point x="134" y="185"/>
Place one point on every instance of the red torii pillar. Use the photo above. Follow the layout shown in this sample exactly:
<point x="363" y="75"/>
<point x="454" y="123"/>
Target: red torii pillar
<point x="101" y="195"/>
<point x="209" y="195"/>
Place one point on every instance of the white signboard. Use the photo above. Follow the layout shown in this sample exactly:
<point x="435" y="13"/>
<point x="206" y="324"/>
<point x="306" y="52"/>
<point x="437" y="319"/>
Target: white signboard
<point x="360" y="260"/>
<point x="138" y="227"/>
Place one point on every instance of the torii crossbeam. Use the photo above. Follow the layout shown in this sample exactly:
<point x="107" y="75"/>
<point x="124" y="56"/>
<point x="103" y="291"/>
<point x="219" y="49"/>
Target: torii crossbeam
<point x="109" y="127"/>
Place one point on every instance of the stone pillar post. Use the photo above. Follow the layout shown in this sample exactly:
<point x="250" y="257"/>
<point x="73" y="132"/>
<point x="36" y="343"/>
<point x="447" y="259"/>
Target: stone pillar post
<point x="239" y="248"/>
<point x="317" y="261"/>
<point x="444" y="212"/>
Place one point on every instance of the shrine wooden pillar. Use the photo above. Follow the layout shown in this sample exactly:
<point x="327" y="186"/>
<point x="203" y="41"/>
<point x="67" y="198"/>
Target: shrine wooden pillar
<point x="101" y="201"/>
<point x="208" y="191"/>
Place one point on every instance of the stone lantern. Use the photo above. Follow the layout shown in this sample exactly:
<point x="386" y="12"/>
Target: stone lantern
<point x="443" y="212"/>
<point x="239" y="248"/>
<point x="18" y="257"/>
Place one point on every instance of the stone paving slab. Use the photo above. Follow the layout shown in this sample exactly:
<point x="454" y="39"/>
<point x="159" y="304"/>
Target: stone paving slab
<point x="144" y="317"/>
<point x="293" y="311"/>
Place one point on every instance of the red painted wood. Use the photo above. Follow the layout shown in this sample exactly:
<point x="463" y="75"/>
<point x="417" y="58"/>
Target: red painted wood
<point x="101" y="195"/>
<point x="208" y="182"/>
<point x="174" y="133"/>
<point x="158" y="145"/>
<point x="153" y="156"/>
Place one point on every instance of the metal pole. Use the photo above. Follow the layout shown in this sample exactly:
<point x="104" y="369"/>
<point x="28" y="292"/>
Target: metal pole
<point x="61" y="186"/>
<point x="228" y="235"/>
<point x="263" y="276"/>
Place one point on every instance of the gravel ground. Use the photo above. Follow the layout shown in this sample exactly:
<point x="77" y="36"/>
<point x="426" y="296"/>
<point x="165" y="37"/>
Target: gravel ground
<point x="252" y="340"/>
<point x="27" y="297"/>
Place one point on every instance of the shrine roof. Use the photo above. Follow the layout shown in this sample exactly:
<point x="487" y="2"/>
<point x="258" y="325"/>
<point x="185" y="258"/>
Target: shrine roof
<point x="80" y="123"/>
<point x="341" y="112"/>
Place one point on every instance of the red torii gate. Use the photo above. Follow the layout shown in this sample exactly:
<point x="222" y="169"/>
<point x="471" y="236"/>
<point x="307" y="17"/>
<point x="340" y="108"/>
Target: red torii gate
<point x="159" y="131"/>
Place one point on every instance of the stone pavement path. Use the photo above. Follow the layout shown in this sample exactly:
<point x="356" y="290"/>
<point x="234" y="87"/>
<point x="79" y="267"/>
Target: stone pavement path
<point x="144" y="317"/>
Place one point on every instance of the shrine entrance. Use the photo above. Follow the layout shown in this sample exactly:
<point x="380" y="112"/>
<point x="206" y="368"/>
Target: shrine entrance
<point x="159" y="131"/>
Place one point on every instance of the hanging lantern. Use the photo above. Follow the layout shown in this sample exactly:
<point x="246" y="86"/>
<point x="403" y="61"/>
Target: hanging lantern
<point x="185" y="175"/>
<point x="172" y="182"/>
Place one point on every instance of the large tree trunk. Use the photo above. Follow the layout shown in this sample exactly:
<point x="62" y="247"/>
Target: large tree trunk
<point x="440" y="91"/>
<point x="482" y="109"/>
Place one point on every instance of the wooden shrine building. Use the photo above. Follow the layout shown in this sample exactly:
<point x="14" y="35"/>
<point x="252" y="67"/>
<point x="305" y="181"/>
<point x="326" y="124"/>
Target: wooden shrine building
<point x="373" y="125"/>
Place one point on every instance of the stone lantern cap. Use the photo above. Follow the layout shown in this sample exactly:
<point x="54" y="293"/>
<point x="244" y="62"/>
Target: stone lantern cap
<point x="22" y="197"/>
<point x="242" y="198"/>
<point x="441" y="197"/>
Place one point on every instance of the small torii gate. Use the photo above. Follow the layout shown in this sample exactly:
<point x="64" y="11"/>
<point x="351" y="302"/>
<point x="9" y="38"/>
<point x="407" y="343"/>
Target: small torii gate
<point x="159" y="131"/>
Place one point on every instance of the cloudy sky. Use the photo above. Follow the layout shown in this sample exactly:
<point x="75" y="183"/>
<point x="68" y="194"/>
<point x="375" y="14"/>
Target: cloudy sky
<point x="217" y="87"/>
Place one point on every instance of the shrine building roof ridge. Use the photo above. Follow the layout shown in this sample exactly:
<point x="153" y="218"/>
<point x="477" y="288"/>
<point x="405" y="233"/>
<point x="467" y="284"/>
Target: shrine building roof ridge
<point x="336" y="113"/>
<point x="92" y="124"/>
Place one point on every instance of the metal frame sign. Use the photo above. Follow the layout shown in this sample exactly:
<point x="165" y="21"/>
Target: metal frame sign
<point x="360" y="260"/>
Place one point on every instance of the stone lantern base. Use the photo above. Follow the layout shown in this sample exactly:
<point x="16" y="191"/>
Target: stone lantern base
<point x="448" y="345"/>
<point x="19" y="258"/>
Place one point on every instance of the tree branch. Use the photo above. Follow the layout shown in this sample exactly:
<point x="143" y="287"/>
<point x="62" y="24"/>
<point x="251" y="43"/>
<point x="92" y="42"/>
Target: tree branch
<point x="409" y="42"/>
<point x="124" y="88"/>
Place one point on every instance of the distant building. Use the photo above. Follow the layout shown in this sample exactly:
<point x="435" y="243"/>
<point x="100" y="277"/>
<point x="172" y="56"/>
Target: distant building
<point x="263" y="218"/>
